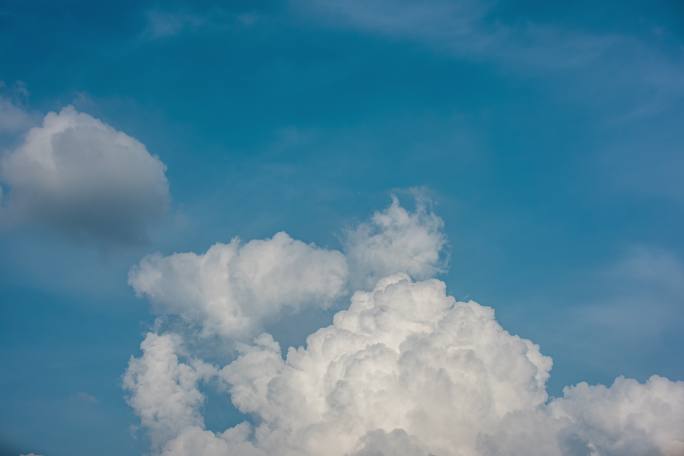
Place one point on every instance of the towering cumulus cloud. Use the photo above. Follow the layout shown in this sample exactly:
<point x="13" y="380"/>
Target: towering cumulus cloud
<point x="80" y="176"/>
<point x="404" y="370"/>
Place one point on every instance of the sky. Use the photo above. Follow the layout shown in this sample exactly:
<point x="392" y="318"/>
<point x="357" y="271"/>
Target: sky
<point x="189" y="189"/>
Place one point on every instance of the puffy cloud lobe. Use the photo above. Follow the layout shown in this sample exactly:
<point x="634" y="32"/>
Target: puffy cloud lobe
<point x="164" y="391"/>
<point x="80" y="176"/>
<point x="396" y="240"/>
<point x="233" y="289"/>
<point x="403" y="357"/>
<point x="626" y="419"/>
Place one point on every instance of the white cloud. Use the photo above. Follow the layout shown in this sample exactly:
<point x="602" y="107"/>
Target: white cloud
<point x="233" y="289"/>
<point x="404" y="356"/>
<point x="409" y="371"/>
<point x="163" y="391"/>
<point x="13" y="118"/>
<point x="81" y="177"/>
<point x="396" y="240"/>
<point x="405" y="370"/>
<point x="627" y="419"/>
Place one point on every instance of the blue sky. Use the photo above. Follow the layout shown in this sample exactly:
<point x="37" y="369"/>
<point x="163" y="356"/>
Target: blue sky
<point x="548" y="137"/>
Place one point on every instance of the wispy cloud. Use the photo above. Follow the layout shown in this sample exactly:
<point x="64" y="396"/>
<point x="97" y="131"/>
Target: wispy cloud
<point x="473" y="29"/>
<point x="163" y="23"/>
<point x="644" y="295"/>
<point x="80" y="177"/>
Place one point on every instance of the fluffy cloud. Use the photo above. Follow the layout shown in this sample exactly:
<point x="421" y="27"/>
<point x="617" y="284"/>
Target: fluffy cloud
<point x="408" y="370"/>
<point x="403" y="357"/>
<point x="405" y="370"/>
<point x="233" y="289"/>
<point x="163" y="391"/>
<point x="80" y="176"/>
<point x="396" y="240"/>
<point x="627" y="419"/>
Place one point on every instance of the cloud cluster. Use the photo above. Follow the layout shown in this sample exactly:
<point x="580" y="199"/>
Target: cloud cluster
<point x="404" y="370"/>
<point x="233" y="290"/>
<point x="77" y="175"/>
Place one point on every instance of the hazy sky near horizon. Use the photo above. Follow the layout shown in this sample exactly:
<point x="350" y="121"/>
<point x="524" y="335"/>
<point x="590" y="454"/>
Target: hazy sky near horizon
<point x="546" y="136"/>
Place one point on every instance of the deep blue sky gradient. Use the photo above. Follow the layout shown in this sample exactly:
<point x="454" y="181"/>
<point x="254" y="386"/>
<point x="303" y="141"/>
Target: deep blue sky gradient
<point x="550" y="173"/>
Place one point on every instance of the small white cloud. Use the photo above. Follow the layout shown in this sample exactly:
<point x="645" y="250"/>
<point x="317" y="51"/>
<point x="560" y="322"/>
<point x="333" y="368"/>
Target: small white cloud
<point x="233" y="289"/>
<point x="396" y="240"/>
<point x="13" y="118"/>
<point x="162" y="24"/>
<point x="164" y="391"/>
<point x="404" y="356"/>
<point x="86" y="397"/>
<point x="77" y="175"/>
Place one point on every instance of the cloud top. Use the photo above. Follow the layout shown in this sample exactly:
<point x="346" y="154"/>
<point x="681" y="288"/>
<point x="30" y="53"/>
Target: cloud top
<point x="396" y="240"/>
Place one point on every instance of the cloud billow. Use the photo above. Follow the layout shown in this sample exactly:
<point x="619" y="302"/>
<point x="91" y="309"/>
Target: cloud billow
<point x="232" y="290"/>
<point x="404" y="370"/>
<point x="76" y="175"/>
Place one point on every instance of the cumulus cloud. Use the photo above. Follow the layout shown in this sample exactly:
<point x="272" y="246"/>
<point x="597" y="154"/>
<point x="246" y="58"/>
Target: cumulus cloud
<point x="78" y="175"/>
<point x="164" y="391"/>
<point x="627" y="419"/>
<point x="396" y="240"/>
<point x="233" y="289"/>
<point x="404" y="370"/>
<point x="404" y="357"/>
<point x="408" y="370"/>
